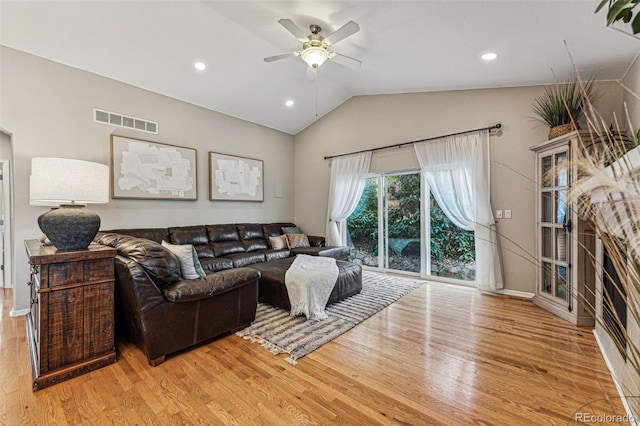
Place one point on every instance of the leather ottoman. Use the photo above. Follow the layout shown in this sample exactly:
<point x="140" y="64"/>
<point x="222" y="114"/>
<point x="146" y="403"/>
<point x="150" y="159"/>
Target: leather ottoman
<point x="272" y="289"/>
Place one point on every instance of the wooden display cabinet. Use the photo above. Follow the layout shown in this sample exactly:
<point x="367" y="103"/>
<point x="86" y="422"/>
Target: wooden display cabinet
<point x="565" y="283"/>
<point x="70" y="327"/>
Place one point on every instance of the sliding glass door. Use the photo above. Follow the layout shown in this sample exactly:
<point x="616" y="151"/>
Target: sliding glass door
<point x="398" y="226"/>
<point x="363" y="226"/>
<point x="402" y="236"/>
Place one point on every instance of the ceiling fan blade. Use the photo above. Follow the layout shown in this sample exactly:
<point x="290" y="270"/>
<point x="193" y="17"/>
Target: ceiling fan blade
<point x="293" y="29"/>
<point x="312" y="73"/>
<point x="283" y="56"/>
<point x="347" y="61"/>
<point x="341" y="33"/>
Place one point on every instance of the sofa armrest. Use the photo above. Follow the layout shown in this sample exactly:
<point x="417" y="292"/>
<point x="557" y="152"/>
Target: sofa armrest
<point x="136" y="286"/>
<point x="137" y="297"/>
<point x="315" y="241"/>
<point x="210" y="285"/>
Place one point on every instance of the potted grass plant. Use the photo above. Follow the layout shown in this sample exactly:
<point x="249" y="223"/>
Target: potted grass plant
<point x="562" y="105"/>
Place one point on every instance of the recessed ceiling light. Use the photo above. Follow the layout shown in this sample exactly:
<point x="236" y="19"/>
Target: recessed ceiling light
<point x="289" y="103"/>
<point x="489" y="56"/>
<point x="200" y="66"/>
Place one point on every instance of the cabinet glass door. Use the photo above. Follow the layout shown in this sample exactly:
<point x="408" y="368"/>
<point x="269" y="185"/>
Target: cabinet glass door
<point x="554" y="223"/>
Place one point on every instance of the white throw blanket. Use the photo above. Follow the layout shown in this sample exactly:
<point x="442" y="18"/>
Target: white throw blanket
<point x="309" y="281"/>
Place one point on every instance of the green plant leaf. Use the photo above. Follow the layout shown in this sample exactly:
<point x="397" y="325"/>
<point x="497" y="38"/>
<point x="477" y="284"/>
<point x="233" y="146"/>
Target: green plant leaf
<point x="616" y="11"/>
<point x="601" y="5"/>
<point x="635" y="25"/>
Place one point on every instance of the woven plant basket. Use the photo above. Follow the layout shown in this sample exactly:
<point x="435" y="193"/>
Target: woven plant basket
<point x="563" y="129"/>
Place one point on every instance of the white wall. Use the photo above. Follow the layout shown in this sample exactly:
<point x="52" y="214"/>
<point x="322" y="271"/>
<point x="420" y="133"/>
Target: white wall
<point x="48" y="108"/>
<point x="632" y="95"/>
<point x="372" y="121"/>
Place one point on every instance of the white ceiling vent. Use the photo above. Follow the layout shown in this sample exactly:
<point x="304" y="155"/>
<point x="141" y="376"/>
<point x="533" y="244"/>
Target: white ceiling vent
<point x="121" y="120"/>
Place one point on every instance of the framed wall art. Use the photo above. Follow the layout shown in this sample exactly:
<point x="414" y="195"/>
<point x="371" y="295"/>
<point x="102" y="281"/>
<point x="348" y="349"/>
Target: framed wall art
<point x="233" y="178"/>
<point x="151" y="170"/>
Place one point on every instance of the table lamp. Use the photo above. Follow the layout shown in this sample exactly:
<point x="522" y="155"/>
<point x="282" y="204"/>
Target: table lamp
<point x="68" y="184"/>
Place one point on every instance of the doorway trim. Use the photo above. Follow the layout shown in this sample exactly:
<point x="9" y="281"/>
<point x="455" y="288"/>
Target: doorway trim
<point x="6" y="162"/>
<point x="7" y="235"/>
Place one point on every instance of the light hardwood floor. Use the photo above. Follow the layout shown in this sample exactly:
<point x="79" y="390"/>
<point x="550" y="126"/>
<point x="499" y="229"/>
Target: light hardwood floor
<point x="441" y="355"/>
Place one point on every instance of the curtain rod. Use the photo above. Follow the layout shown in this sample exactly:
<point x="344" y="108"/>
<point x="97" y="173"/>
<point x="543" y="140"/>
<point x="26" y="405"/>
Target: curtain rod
<point x="400" y="145"/>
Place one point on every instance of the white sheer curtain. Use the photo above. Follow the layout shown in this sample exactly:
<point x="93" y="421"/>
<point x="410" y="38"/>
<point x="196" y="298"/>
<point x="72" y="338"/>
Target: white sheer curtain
<point x="457" y="169"/>
<point x="348" y="174"/>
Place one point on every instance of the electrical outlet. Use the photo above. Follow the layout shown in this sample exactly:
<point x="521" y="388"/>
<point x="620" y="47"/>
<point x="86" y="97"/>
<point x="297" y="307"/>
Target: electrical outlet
<point x="498" y="214"/>
<point x="507" y="214"/>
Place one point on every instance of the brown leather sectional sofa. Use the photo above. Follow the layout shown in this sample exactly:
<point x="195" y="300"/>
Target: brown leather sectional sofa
<point x="163" y="313"/>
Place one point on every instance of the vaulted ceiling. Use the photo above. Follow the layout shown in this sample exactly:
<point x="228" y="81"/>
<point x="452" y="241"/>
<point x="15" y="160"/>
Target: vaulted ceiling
<point x="404" y="46"/>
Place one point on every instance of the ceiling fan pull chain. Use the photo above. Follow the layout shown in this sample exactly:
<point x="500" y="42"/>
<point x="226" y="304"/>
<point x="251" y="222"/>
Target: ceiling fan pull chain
<point x="317" y="78"/>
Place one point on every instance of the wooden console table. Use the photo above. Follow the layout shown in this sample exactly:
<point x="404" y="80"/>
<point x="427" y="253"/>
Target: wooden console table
<point x="70" y="326"/>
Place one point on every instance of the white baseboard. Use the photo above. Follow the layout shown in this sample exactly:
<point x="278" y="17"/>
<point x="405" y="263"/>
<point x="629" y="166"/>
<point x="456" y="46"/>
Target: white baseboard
<point x="20" y="312"/>
<point x="515" y="293"/>
<point x="633" y="420"/>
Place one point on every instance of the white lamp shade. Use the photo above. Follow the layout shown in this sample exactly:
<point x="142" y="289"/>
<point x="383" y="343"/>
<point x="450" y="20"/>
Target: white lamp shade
<point x="56" y="181"/>
<point x="314" y="56"/>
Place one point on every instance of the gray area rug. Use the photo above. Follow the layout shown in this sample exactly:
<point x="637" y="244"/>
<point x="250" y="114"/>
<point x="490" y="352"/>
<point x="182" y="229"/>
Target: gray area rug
<point x="281" y="333"/>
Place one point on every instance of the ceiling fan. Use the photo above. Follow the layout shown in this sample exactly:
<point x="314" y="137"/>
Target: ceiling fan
<point x="316" y="49"/>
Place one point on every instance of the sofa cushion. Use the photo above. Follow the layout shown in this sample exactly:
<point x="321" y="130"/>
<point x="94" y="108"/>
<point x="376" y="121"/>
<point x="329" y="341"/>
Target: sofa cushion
<point x="160" y="264"/>
<point x="153" y="234"/>
<point x="219" y="233"/>
<point x="253" y="245"/>
<point x="195" y="235"/>
<point x="215" y="264"/>
<point x="227" y="248"/>
<point x="274" y="229"/>
<point x="210" y="285"/>
<point x="252" y="236"/>
<point x="241" y="260"/>
<point x="109" y="238"/>
<point x="315" y="241"/>
<point x="297" y="240"/>
<point x="273" y="289"/>
<point x="250" y="231"/>
<point x="339" y="253"/>
<point x="275" y="254"/>
<point x="190" y="267"/>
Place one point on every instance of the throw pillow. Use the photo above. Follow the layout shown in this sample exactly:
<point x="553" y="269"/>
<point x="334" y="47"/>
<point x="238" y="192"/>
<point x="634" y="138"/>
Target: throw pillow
<point x="297" y="240"/>
<point x="190" y="267"/>
<point x="291" y="230"/>
<point x="278" y="243"/>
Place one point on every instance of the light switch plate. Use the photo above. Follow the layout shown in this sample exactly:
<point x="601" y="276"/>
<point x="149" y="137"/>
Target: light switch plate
<point x="498" y="214"/>
<point x="278" y="192"/>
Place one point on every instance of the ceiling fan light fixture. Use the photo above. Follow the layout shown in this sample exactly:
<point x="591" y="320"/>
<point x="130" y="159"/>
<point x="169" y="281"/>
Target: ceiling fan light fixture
<point x="314" y="56"/>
